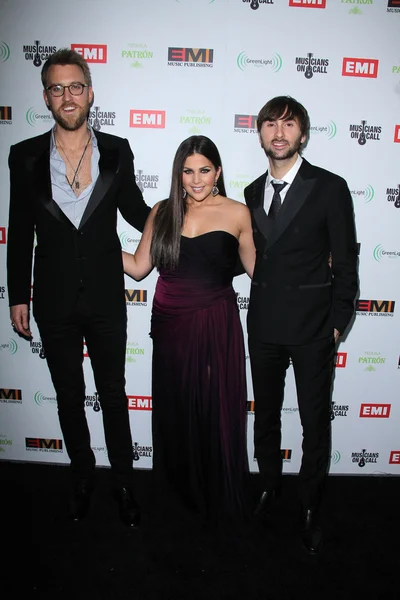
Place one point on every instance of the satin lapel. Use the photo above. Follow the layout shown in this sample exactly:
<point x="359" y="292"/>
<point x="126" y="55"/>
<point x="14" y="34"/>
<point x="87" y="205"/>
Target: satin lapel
<point x="294" y="200"/>
<point x="43" y="185"/>
<point x="257" y="205"/>
<point x="108" y="166"/>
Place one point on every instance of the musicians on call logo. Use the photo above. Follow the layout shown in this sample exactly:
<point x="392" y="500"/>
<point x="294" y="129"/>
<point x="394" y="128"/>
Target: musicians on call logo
<point x="364" y="132"/>
<point x="38" y="53"/>
<point x="310" y="65"/>
<point x="98" y="118"/>
<point x="393" y="196"/>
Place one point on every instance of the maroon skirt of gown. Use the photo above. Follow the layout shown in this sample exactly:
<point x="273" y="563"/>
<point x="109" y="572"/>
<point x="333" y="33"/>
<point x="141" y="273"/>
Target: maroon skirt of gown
<point x="199" y="381"/>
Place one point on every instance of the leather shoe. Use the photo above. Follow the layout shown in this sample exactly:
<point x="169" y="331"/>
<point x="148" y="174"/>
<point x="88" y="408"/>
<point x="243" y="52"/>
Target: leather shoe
<point x="129" y="510"/>
<point x="312" y="534"/>
<point x="80" y="501"/>
<point x="264" y="504"/>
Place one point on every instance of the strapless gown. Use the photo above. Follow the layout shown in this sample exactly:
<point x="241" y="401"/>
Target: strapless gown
<point x="199" y="381"/>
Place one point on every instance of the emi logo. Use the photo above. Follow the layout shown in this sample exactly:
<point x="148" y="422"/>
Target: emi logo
<point x="92" y="53"/>
<point x="394" y="458"/>
<point x="147" y="119"/>
<point x="140" y="403"/>
<point x="397" y="134"/>
<point x="44" y="443"/>
<point x="375" y="411"/>
<point x="2" y="235"/>
<point x="245" y="122"/>
<point x="378" y="306"/>
<point x="360" y="67"/>
<point x="308" y="3"/>
<point x="191" y="55"/>
<point x="340" y="360"/>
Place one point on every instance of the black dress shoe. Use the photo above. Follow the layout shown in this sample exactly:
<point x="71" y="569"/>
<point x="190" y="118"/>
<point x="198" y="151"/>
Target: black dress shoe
<point x="312" y="534"/>
<point x="129" y="510"/>
<point x="80" y="501"/>
<point x="265" y="502"/>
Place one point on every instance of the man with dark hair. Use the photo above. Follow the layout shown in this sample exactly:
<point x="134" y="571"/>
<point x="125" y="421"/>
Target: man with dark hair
<point x="301" y="301"/>
<point x="66" y="186"/>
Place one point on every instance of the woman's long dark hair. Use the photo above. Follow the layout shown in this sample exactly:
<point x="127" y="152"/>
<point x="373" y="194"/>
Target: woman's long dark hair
<point x="168" y="222"/>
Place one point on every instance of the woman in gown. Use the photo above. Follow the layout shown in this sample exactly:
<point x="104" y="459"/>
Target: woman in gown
<point x="194" y="239"/>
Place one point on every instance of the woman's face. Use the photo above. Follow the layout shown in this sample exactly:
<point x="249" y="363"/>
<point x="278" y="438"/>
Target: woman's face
<point x="198" y="177"/>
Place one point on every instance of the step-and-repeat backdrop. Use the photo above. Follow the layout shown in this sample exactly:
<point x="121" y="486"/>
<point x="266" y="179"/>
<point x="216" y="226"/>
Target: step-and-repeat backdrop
<point x="167" y="69"/>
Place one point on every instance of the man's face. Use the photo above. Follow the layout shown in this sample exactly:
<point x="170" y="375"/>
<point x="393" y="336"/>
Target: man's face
<point x="281" y="139"/>
<point x="70" y="112"/>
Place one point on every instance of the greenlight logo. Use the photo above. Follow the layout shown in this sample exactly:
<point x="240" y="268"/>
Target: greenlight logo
<point x="275" y="62"/>
<point x="32" y="117"/>
<point x="41" y="399"/>
<point x="4" y="52"/>
<point x="126" y="240"/>
<point x="12" y="346"/>
<point x="335" y="457"/>
<point x="329" y="130"/>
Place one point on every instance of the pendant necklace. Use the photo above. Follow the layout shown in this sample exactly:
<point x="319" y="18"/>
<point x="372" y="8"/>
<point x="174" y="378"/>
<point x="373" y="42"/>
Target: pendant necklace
<point x="75" y="182"/>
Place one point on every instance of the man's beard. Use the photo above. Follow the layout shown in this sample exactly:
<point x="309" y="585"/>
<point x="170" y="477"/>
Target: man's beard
<point x="72" y="123"/>
<point x="291" y="150"/>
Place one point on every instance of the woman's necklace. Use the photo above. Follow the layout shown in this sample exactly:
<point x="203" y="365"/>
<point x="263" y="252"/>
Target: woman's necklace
<point x="75" y="181"/>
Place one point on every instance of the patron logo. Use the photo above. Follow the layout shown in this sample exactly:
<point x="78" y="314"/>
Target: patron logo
<point x="375" y="307"/>
<point x="196" y="119"/>
<point x="98" y="118"/>
<point x="141" y="451"/>
<point x="394" y="458"/>
<point x="310" y="65"/>
<point x="274" y="62"/>
<point x="190" y="57"/>
<point x="139" y="403"/>
<point x="371" y="360"/>
<point x="9" y="396"/>
<point x="366" y="194"/>
<point x="147" y="119"/>
<point x="37" y="348"/>
<point x="245" y="124"/>
<point x="136" y="297"/>
<point x="33" y="117"/>
<point x="364" y="132"/>
<point x="393" y="195"/>
<point x="11" y="346"/>
<point x="133" y="352"/>
<point x="4" y="52"/>
<point x="137" y="53"/>
<point x="5" y="443"/>
<point x="5" y="115"/>
<point x="338" y="410"/>
<point x="254" y="4"/>
<point x="340" y="360"/>
<point x="308" y="3"/>
<point x="360" y="67"/>
<point x="375" y="411"/>
<point x="146" y="181"/>
<point x="364" y="457"/>
<point x="237" y="185"/>
<point x="43" y="444"/>
<point x="92" y="53"/>
<point x="37" y="53"/>
<point x="93" y="402"/>
<point x="396" y="134"/>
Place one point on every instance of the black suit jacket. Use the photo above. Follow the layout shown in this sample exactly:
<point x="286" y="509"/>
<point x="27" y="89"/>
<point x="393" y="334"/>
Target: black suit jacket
<point x="67" y="258"/>
<point x="295" y="296"/>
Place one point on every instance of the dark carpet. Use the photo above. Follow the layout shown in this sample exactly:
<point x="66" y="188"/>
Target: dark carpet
<point x="46" y="556"/>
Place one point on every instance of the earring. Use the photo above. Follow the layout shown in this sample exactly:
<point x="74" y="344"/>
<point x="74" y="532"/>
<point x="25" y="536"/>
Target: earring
<point x="184" y="193"/>
<point x="215" y="190"/>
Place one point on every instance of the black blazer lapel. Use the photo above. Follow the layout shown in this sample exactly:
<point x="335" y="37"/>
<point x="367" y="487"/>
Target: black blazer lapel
<point x="108" y="166"/>
<point x="294" y="200"/>
<point x="256" y="205"/>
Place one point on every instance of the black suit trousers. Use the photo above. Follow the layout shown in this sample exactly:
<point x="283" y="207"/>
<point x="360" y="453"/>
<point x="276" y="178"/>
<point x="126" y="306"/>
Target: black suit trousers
<point x="313" y="370"/>
<point x="105" y="337"/>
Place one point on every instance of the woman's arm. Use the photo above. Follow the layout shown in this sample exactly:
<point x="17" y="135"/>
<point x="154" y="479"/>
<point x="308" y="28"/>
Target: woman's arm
<point x="139" y="265"/>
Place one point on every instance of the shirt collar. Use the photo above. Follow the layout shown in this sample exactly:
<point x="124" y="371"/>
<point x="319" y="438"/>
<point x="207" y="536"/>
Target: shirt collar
<point x="53" y="148"/>
<point x="290" y="175"/>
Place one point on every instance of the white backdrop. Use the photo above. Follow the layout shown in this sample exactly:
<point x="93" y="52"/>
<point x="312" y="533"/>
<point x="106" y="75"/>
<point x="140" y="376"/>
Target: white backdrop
<point x="166" y="69"/>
